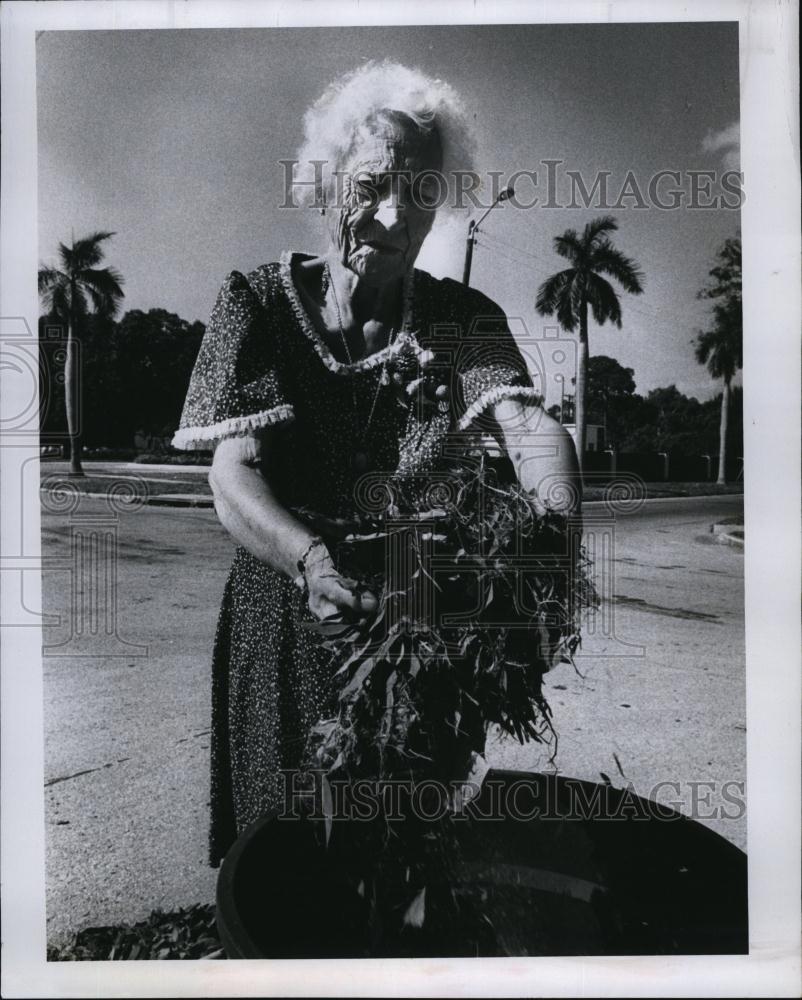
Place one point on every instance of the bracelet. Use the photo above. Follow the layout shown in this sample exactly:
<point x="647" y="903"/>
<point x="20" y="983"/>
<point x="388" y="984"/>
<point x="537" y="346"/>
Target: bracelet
<point x="300" y="580"/>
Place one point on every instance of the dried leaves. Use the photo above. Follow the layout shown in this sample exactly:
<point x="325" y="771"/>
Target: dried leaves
<point x="484" y="600"/>
<point x="186" y="933"/>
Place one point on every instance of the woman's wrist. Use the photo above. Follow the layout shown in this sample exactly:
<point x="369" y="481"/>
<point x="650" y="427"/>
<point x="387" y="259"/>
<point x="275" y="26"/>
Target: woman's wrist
<point x="314" y="558"/>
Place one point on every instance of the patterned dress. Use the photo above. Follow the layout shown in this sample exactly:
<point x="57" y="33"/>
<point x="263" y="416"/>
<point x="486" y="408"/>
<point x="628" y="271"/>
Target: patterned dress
<point x="262" y="363"/>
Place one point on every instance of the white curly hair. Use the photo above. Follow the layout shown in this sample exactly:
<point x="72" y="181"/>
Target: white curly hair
<point x="332" y="123"/>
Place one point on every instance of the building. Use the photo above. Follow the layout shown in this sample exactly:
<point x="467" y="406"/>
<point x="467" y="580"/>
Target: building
<point x="594" y="436"/>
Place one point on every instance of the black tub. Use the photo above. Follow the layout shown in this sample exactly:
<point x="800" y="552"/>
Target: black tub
<point x="563" y="867"/>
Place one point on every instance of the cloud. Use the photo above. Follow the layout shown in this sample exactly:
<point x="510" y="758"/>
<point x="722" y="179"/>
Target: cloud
<point x="727" y="142"/>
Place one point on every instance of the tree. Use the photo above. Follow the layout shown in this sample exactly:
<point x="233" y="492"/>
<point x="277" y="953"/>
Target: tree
<point x="67" y="293"/>
<point x="680" y="425"/>
<point x="154" y="353"/>
<point x="568" y="293"/>
<point x="721" y="347"/>
<point x="610" y="391"/>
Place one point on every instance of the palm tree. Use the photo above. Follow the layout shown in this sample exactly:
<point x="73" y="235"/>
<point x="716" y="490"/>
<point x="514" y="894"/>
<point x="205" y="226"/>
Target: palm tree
<point x="721" y="348"/>
<point x="568" y="293"/>
<point x="66" y="292"/>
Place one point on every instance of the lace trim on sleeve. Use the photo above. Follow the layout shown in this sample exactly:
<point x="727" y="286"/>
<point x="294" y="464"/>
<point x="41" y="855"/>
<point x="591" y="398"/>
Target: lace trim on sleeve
<point x="204" y="438"/>
<point x="523" y="392"/>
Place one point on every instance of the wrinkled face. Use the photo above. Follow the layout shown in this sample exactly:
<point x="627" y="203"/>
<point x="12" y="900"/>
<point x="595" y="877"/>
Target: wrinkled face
<point x="385" y="204"/>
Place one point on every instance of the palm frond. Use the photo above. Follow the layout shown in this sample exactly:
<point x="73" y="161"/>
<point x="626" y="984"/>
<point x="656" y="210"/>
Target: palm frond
<point x="104" y="289"/>
<point x="729" y="326"/>
<point x="55" y="300"/>
<point x="568" y="245"/>
<point x="554" y="295"/>
<point x="65" y="256"/>
<point x="609" y="260"/>
<point x="84" y="253"/>
<point x="603" y="301"/>
<point x="726" y="275"/>
<point x="49" y="278"/>
<point x="88" y="253"/>
<point x="718" y="350"/>
<point x="703" y="346"/>
<point x="595" y="228"/>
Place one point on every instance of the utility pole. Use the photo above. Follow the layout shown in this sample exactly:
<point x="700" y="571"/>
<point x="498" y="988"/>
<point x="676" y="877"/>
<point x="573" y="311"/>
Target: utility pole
<point x="473" y="229"/>
<point x="466" y="271"/>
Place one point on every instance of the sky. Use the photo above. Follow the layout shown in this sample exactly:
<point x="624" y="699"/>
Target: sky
<point x="171" y="138"/>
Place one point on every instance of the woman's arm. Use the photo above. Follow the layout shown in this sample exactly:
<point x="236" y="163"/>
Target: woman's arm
<point x="248" y="509"/>
<point x="544" y="458"/>
<point x="542" y="453"/>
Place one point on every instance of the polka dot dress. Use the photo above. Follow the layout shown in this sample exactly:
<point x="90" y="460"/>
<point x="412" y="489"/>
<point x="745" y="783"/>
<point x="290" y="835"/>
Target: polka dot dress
<point x="263" y="363"/>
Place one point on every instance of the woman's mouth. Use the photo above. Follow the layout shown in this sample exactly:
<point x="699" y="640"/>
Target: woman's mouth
<point x="381" y="247"/>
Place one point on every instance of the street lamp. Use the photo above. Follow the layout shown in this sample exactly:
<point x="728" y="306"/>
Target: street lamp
<point x="561" y="379"/>
<point x="473" y="228"/>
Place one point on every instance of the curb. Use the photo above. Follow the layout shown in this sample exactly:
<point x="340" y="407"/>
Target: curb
<point x="723" y="532"/>
<point x="180" y="500"/>
<point x="728" y="533"/>
<point x="154" y="500"/>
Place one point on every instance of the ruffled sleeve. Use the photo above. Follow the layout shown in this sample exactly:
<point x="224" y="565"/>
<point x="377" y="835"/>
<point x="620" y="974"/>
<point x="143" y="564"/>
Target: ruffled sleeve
<point x="489" y="363"/>
<point x="238" y="383"/>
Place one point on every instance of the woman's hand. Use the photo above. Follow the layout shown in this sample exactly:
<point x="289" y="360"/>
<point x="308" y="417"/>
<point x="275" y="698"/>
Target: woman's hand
<point x="330" y="593"/>
<point x="419" y="378"/>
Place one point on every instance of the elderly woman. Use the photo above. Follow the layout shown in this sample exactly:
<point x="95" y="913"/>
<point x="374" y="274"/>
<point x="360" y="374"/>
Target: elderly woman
<point x="296" y="390"/>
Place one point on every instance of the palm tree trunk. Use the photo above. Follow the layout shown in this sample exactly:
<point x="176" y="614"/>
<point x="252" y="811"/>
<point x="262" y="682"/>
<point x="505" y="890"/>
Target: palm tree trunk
<point x="71" y="401"/>
<point x="580" y="399"/>
<point x="722" y="441"/>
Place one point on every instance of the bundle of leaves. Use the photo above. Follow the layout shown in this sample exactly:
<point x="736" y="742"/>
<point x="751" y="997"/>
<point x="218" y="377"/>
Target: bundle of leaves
<point x="478" y="598"/>
<point x="479" y="595"/>
<point x="189" y="932"/>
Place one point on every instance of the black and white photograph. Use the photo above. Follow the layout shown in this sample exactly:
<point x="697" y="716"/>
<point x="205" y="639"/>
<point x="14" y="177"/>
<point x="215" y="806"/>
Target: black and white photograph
<point x="395" y="399"/>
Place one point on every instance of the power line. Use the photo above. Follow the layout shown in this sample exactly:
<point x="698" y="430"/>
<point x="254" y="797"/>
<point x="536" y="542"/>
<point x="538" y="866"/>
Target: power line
<point x="511" y="246"/>
<point x="497" y="248"/>
<point x="504" y="254"/>
<point x="496" y="244"/>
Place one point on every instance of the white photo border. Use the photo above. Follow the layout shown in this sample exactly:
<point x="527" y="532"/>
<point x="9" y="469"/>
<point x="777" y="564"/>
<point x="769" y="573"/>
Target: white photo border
<point x="772" y="317"/>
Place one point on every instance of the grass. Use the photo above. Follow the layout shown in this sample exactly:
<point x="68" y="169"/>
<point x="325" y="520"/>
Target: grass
<point x="60" y="454"/>
<point x="197" y="485"/>
<point x="138" y="488"/>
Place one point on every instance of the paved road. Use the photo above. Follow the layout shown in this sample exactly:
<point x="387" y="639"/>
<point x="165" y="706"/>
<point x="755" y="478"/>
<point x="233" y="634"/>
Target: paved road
<point x="659" y="696"/>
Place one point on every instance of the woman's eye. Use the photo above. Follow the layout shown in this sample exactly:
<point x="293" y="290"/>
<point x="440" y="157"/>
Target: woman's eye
<point x="426" y="193"/>
<point x="365" y="193"/>
<point x="370" y="191"/>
